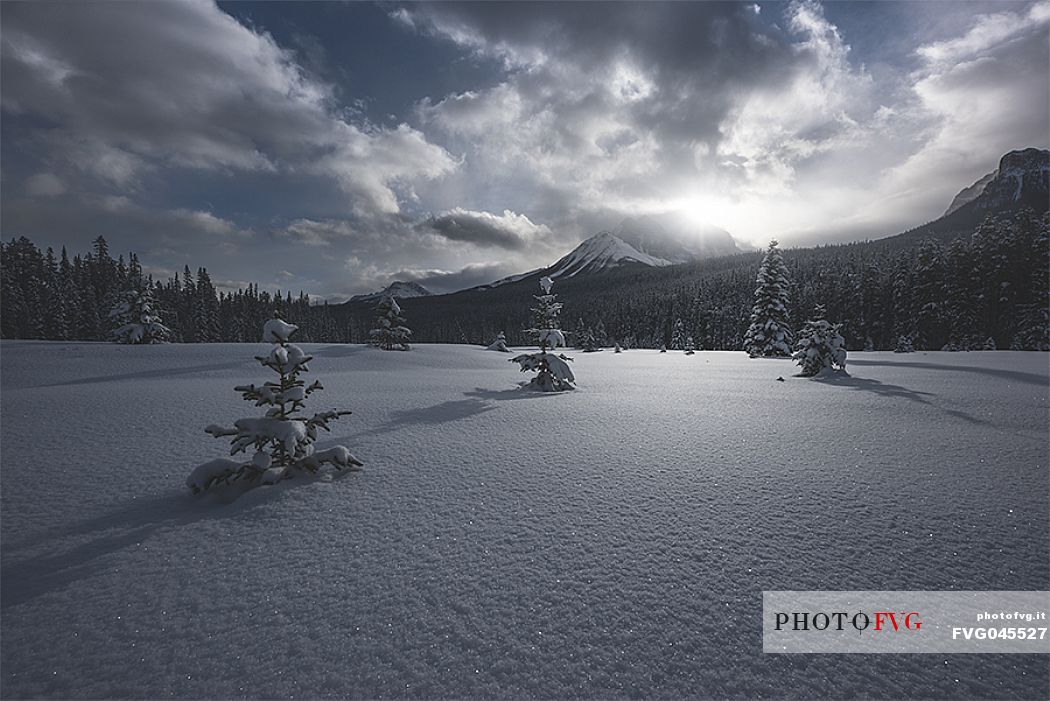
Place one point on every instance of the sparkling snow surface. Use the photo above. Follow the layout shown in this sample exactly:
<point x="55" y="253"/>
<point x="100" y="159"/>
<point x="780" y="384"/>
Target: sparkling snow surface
<point x="612" y="541"/>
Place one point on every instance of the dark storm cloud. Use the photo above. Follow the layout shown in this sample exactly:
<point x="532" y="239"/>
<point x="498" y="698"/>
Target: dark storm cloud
<point x="714" y="39"/>
<point x="123" y="88"/>
<point x="512" y="231"/>
<point x="696" y="56"/>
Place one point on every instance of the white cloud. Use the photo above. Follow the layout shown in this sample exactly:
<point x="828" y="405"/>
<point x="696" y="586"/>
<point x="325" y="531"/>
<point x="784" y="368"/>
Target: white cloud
<point x="509" y="230"/>
<point x="371" y="165"/>
<point x="208" y="223"/>
<point x="819" y="109"/>
<point x="318" y="232"/>
<point x="136" y="86"/>
<point x="988" y="32"/>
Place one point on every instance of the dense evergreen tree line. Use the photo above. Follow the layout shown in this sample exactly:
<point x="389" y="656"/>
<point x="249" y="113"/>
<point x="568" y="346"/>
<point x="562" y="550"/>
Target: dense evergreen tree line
<point x="44" y="296"/>
<point x="991" y="287"/>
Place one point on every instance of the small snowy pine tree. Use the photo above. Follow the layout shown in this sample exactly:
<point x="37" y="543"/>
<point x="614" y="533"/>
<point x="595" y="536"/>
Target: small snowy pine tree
<point x="390" y="332"/>
<point x="589" y="344"/>
<point x="283" y="440"/>
<point x="552" y="371"/>
<point x="678" y="335"/>
<point x="617" y="349"/>
<point x="690" y="347"/>
<point x="769" y="334"/>
<point x="500" y="344"/>
<point x="579" y="336"/>
<point x="136" y="321"/>
<point x="820" y="346"/>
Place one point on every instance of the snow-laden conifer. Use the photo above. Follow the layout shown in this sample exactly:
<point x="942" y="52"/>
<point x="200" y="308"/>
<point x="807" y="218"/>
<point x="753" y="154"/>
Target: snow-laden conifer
<point x="589" y="343"/>
<point x="500" y="344"/>
<point x="769" y="334"/>
<point x="390" y="332"/>
<point x="282" y="439"/>
<point x="690" y="346"/>
<point x="552" y="371"/>
<point x="904" y="345"/>
<point x="820" y="346"/>
<point x="678" y="335"/>
<point x="135" y="319"/>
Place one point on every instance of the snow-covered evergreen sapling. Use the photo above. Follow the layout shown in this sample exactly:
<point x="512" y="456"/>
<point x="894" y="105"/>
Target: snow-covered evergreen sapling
<point x="690" y="347"/>
<point x="769" y="334"/>
<point x="500" y="344"/>
<point x="589" y="343"/>
<point x="390" y="332"/>
<point x="136" y="320"/>
<point x="283" y="439"/>
<point x="617" y="349"/>
<point x="678" y="336"/>
<point x="552" y="371"/>
<point x="904" y="345"/>
<point x="820" y="346"/>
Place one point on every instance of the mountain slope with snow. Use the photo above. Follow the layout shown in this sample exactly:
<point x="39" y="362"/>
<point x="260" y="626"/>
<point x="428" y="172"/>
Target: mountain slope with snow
<point x="507" y="280"/>
<point x="676" y="238"/>
<point x="604" y="251"/>
<point x="653" y="241"/>
<point x="969" y="194"/>
<point x="1022" y="178"/>
<point x="397" y="290"/>
<point x="1022" y="181"/>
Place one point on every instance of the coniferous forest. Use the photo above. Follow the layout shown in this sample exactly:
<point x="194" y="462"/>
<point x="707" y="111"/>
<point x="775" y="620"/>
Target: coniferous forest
<point x="986" y="290"/>
<point x="45" y="296"/>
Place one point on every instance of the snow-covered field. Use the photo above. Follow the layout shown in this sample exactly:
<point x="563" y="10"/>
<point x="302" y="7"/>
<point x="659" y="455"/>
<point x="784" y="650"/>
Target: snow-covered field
<point x="608" y="542"/>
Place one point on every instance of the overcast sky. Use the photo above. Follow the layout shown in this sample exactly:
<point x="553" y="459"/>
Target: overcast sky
<point x="335" y="147"/>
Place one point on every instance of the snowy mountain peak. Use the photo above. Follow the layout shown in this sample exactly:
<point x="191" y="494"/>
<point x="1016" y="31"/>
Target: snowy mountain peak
<point x="655" y="241"/>
<point x="1022" y="178"/>
<point x="397" y="290"/>
<point x="603" y="251"/>
<point x="676" y="238"/>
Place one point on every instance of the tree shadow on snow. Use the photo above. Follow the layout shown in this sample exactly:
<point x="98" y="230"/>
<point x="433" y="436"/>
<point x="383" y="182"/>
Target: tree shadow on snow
<point x="1016" y="375"/>
<point x="520" y="392"/>
<point x="25" y="578"/>
<point x="339" y="351"/>
<point x="434" y="415"/>
<point x="146" y="374"/>
<point x="895" y="391"/>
